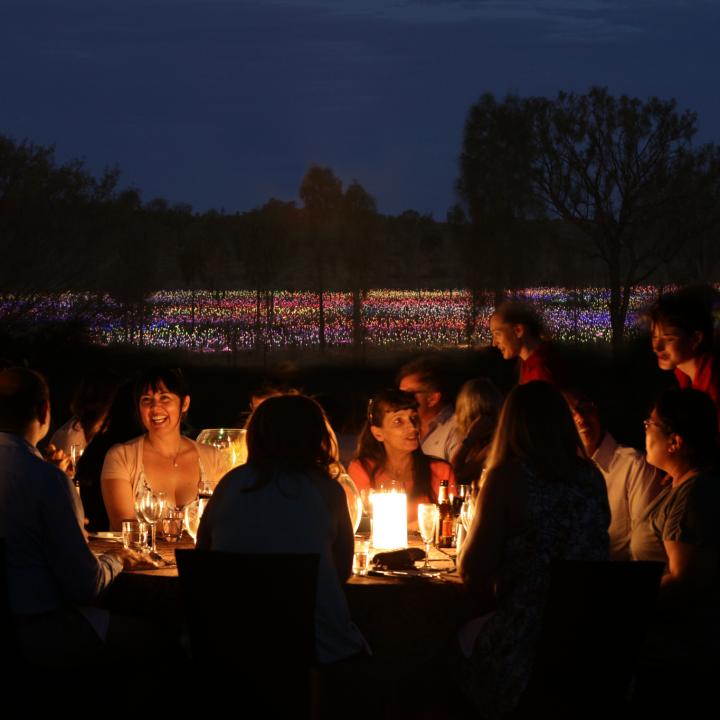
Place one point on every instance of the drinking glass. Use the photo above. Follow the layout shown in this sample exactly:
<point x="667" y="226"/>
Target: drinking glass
<point x="76" y="452"/>
<point x="361" y="557"/>
<point x="171" y="524"/>
<point x="428" y="517"/>
<point x="150" y="506"/>
<point x="467" y="511"/>
<point x="193" y="513"/>
<point x="134" y="535"/>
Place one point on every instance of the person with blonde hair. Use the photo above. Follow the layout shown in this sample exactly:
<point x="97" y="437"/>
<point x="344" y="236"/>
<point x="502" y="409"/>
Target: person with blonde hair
<point x="477" y="408"/>
<point x="541" y="500"/>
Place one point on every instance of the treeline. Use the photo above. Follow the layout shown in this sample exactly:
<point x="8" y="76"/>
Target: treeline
<point x="578" y="190"/>
<point x="61" y="228"/>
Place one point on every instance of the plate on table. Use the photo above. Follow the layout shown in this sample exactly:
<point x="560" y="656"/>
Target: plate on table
<point x="106" y="535"/>
<point x="414" y="574"/>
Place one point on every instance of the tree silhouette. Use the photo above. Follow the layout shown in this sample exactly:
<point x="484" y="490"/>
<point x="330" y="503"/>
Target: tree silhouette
<point x="321" y="193"/>
<point x="360" y="249"/>
<point x="619" y="170"/>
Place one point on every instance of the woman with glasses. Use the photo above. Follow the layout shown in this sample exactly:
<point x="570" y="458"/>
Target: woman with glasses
<point x="682" y="530"/>
<point x="682" y="526"/>
<point x="389" y="453"/>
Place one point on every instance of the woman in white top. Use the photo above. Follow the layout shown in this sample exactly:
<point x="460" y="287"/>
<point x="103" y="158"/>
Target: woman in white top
<point x="284" y="500"/>
<point x="163" y="459"/>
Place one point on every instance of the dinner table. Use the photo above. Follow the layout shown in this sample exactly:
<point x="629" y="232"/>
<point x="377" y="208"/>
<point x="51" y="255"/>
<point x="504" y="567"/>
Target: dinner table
<point x="409" y="617"/>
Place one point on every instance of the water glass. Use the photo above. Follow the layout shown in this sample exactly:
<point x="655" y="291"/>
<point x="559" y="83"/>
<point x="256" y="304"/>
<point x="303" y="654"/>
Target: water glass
<point x="362" y="557"/>
<point x="171" y="525"/>
<point x="135" y="535"/>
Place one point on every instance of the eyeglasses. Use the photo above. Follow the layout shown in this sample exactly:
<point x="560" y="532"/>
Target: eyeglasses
<point x="647" y="423"/>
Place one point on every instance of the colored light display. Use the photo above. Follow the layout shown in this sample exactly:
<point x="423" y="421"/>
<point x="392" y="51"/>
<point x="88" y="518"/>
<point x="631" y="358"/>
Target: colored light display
<point x="242" y="321"/>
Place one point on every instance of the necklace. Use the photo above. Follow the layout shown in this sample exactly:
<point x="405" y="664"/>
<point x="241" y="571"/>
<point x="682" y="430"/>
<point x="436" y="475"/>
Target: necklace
<point x="171" y="458"/>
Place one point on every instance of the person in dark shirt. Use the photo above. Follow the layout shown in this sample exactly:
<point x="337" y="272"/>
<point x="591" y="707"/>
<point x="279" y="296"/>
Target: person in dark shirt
<point x="53" y="577"/>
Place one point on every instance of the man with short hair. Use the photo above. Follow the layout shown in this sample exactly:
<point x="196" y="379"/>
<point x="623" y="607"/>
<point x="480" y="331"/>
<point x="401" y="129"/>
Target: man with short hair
<point x="517" y="331"/>
<point x="52" y="575"/>
<point x="439" y="436"/>
<point x="631" y="482"/>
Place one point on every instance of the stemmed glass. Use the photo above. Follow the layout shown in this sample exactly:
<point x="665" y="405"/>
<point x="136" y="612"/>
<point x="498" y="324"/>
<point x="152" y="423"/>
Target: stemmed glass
<point x="428" y="517"/>
<point x="193" y="513"/>
<point x="467" y="511"/>
<point x="150" y="506"/>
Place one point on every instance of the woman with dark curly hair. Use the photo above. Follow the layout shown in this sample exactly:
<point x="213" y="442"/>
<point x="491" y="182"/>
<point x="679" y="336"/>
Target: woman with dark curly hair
<point x="388" y="452"/>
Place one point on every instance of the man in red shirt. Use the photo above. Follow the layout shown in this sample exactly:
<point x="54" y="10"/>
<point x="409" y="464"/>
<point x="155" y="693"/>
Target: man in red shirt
<point x="517" y="331"/>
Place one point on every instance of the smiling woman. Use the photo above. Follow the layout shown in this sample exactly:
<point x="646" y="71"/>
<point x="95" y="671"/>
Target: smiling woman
<point x="389" y="453"/>
<point x="162" y="459"/>
<point x="682" y="340"/>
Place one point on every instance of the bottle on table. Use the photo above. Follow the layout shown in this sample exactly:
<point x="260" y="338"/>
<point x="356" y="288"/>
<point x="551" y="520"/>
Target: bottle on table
<point x="445" y="536"/>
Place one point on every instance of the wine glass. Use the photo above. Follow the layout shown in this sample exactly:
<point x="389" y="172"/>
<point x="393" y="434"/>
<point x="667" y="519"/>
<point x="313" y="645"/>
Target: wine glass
<point x="150" y="506"/>
<point x="467" y="511"/>
<point x="76" y="452"/>
<point x="428" y="517"/>
<point x="193" y="513"/>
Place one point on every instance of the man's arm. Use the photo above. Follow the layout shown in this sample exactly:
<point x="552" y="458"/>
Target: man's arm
<point x="80" y="574"/>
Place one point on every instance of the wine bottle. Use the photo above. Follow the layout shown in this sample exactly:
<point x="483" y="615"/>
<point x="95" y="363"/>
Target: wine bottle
<point x="446" y="522"/>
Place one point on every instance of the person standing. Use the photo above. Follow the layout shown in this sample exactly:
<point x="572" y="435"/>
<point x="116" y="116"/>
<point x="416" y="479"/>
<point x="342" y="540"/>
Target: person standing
<point x="517" y="332"/>
<point x="682" y="339"/>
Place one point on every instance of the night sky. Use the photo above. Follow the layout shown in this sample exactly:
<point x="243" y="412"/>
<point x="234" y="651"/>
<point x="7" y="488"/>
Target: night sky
<point x="225" y="103"/>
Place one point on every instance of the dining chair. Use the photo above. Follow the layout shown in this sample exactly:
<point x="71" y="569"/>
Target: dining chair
<point x="250" y="620"/>
<point x="593" y="628"/>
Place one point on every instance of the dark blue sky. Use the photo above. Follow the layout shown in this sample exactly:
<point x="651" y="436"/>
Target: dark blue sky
<point x="225" y="103"/>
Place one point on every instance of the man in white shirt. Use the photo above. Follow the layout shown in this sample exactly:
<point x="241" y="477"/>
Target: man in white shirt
<point x="631" y="482"/>
<point x="439" y="435"/>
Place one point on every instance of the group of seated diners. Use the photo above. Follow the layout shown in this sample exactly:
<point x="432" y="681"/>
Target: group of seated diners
<point x="548" y="482"/>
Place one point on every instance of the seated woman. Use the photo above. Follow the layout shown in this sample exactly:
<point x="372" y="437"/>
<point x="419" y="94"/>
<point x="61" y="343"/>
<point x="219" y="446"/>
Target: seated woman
<point x="682" y="339"/>
<point x="388" y="453"/>
<point x="285" y="501"/>
<point x="89" y="406"/>
<point x="476" y="412"/>
<point x="542" y="500"/>
<point x="681" y="528"/>
<point x="162" y="459"/>
<point x="120" y="425"/>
